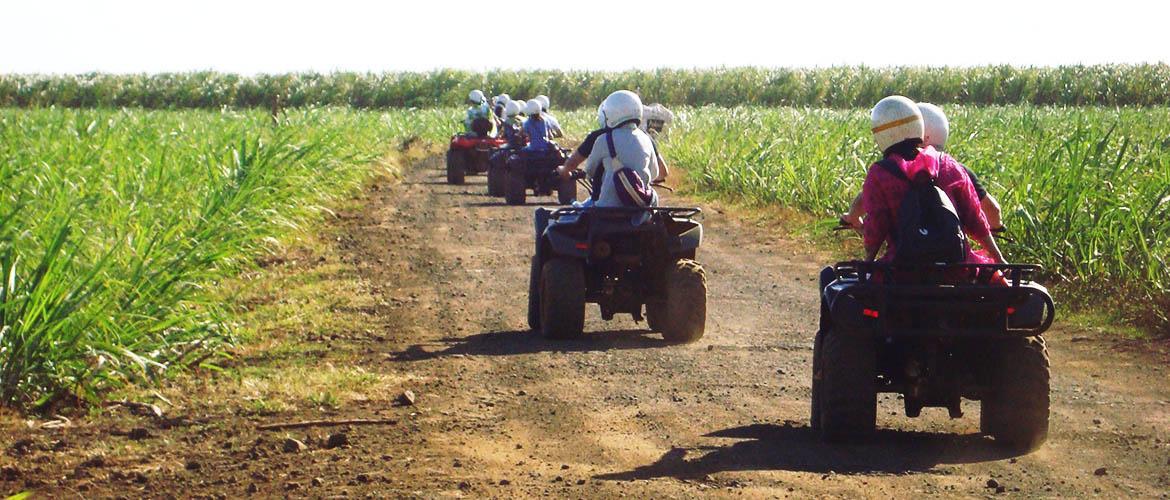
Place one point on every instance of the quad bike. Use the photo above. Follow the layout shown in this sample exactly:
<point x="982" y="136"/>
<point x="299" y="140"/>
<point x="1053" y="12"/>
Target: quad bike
<point x="497" y="174"/>
<point x="620" y="259"/>
<point x="537" y="170"/>
<point x="469" y="154"/>
<point x="934" y="334"/>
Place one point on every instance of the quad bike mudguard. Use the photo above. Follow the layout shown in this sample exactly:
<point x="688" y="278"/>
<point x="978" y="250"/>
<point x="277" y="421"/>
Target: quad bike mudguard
<point x="867" y="297"/>
<point x="573" y="231"/>
<point x="463" y="141"/>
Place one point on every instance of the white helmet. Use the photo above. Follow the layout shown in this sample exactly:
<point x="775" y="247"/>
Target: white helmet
<point x="894" y="120"/>
<point x="532" y="107"/>
<point x="503" y="99"/>
<point x="935" y="126"/>
<point x="655" y="117"/>
<point x="543" y="100"/>
<point x="521" y="103"/>
<point x="620" y="107"/>
<point x="511" y="109"/>
<point x="601" y="115"/>
<point x="476" y="96"/>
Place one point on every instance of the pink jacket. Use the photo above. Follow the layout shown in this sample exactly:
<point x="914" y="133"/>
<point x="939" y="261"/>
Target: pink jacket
<point x="882" y="194"/>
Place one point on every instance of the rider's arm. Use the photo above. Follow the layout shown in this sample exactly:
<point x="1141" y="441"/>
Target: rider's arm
<point x="991" y="210"/>
<point x="879" y="219"/>
<point x="988" y="244"/>
<point x="855" y="213"/>
<point x="572" y="163"/>
<point x="663" y="171"/>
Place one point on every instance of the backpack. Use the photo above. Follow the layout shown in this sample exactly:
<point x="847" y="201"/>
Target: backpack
<point x="928" y="229"/>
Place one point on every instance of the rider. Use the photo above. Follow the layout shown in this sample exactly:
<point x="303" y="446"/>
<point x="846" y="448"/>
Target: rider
<point x="624" y="152"/>
<point x="936" y="130"/>
<point x="479" y="116"/>
<point x="513" y="126"/>
<point x="586" y="148"/>
<point x="553" y="125"/>
<point x="898" y="131"/>
<point x="500" y="109"/>
<point x="537" y="129"/>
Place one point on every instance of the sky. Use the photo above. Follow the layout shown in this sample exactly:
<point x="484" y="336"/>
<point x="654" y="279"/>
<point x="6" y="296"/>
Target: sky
<point x="260" y="36"/>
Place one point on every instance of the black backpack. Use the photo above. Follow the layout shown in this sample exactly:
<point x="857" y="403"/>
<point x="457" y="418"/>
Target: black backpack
<point x="928" y="229"/>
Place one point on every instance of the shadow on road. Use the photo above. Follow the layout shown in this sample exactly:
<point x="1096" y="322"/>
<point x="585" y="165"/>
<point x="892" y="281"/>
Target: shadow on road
<point x="524" y="342"/>
<point x="500" y="203"/>
<point x="799" y="449"/>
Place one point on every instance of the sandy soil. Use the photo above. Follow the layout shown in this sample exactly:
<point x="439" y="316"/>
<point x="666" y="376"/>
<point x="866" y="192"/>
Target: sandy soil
<point x="502" y="412"/>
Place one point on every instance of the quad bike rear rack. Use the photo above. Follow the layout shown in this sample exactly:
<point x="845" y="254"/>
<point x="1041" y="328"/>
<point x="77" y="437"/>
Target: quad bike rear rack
<point x="971" y="291"/>
<point x="620" y="212"/>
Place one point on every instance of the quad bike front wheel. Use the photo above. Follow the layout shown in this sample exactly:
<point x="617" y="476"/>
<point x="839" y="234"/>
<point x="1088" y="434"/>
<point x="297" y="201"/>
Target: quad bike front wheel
<point x="516" y="189"/>
<point x="562" y="299"/>
<point x="686" y="303"/>
<point x="1015" y="410"/>
<point x="848" y="386"/>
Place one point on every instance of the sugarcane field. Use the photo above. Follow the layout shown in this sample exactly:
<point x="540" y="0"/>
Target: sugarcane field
<point x="455" y="250"/>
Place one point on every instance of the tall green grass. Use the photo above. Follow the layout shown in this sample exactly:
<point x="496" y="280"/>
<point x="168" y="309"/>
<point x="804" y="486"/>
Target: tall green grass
<point x="115" y="227"/>
<point x="836" y="87"/>
<point x="1085" y="191"/>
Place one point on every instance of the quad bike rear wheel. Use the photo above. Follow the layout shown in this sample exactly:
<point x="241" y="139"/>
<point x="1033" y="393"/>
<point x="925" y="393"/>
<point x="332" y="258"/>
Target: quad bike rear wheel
<point x="817" y="377"/>
<point x="655" y="314"/>
<point x="1015" y="410"/>
<point x="496" y="177"/>
<point x="686" y="302"/>
<point x="562" y="299"/>
<point x="456" y="167"/>
<point x="534" y="295"/>
<point x="516" y="188"/>
<point x="567" y="191"/>
<point x="848" y="387"/>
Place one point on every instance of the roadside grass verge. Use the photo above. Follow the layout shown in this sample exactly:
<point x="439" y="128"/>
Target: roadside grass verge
<point x="118" y="229"/>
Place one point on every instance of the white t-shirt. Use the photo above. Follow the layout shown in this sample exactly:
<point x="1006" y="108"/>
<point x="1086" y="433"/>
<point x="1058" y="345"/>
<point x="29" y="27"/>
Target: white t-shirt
<point x="634" y="150"/>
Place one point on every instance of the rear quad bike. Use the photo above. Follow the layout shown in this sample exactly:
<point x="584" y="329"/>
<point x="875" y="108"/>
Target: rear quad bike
<point x="497" y="174"/>
<point x="469" y="154"/>
<point x="620" y="259"/>
<point x="537" y="170"/>
<point x="934" y="334"/>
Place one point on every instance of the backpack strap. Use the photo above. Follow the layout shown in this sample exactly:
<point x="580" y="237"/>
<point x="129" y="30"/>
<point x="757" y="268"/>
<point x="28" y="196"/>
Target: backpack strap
<point x="892" y="167"/>
<point x="609" y="143"/>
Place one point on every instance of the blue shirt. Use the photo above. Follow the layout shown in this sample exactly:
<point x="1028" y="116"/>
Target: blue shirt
<point x="539" y="135"/>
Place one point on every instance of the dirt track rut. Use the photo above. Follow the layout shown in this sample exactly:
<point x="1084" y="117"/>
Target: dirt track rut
<point x="503" y="412"/>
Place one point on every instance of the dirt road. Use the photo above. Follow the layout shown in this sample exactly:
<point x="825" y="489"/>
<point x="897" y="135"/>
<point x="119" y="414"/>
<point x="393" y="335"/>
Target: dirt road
<point x="502" y="412"/>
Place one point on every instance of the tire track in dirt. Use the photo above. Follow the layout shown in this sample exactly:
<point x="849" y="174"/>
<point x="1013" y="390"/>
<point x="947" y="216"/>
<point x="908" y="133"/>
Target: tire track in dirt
<point x="503" y="412"/>
<point x="621" y="412"/>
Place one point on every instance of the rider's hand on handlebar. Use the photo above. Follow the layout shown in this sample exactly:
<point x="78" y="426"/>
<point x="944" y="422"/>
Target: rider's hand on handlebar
<point x="564" y="172"/>
<point x="852" y="221"/>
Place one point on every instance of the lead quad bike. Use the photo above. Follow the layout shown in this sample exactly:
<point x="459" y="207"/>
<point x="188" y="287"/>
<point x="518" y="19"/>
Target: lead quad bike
<point x="537" y="171"/>
<point x="469" y="154"/>
<point x="620" y="259"/>
<point x="934" y="334"/>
